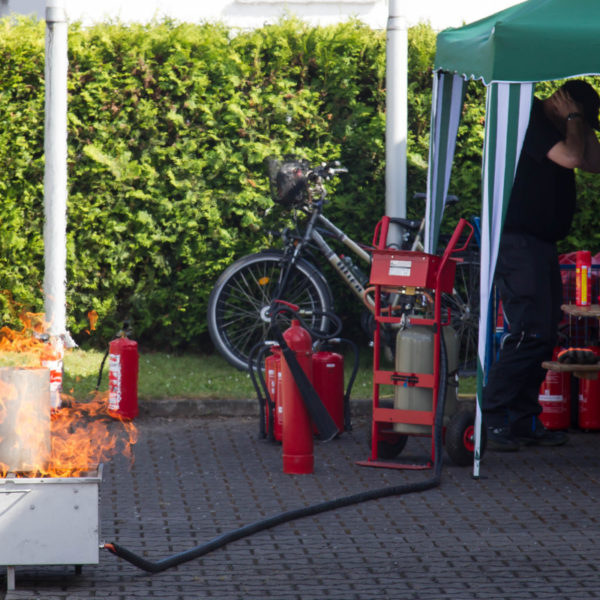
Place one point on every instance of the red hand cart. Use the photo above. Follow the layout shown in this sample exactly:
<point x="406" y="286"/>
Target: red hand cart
<point x="393" y="272"/>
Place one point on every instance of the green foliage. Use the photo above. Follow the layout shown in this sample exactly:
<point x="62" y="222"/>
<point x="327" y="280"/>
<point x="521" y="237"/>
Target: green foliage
<point x="21" y="157"/>
<point x="169" y="125"/>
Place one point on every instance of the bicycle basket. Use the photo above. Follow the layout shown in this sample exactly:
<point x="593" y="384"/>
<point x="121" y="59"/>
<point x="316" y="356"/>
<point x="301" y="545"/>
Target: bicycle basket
<point x="287" y="180"/>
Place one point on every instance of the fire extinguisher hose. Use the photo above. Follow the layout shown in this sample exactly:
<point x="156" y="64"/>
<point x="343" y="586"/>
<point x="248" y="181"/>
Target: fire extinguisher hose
<point x="308" y="511"/>
<point x="256" y="357"/>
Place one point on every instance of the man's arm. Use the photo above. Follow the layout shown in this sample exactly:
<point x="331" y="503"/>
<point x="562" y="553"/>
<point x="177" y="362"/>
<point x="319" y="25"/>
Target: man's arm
<point x="570" y="152"/>
<point x="580" y="149"/>
<point x="591" y="156"/>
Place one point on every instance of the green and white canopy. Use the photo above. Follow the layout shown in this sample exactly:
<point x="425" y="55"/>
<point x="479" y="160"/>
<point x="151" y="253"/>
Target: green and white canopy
<point x="537" y="40"/>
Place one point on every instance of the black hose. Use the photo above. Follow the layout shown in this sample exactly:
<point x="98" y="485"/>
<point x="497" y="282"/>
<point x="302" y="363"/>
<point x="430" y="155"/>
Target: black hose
<point x="126" y="331"/>
<point x="266" y="406"/>
<point x="315" y="509"/>
<point x="347" y="416"/>
<point x="101" y="369"/>
<point x="317" y="411"/>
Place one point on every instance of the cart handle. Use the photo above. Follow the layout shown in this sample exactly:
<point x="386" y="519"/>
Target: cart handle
<point x="381" y="229"/>
<point x="450" y="248"/>
<point x="380" y="233"/>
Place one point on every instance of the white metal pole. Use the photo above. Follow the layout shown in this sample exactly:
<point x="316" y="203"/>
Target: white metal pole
<point x="396" y="115"/>
<point x="55" y="177"/>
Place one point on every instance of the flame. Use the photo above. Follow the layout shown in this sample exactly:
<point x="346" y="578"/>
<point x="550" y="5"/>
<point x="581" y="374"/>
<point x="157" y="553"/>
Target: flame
<point x="24" y="347"/>
<point x="81" y="436"/>
<point x="93" y="319"/>
<point x="65" y="442"/>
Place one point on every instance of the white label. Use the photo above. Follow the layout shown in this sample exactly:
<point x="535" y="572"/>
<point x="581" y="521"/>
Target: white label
<point x="549" y="398"/>
<point x="114" y="381"/>
<point x="400" y="268"/>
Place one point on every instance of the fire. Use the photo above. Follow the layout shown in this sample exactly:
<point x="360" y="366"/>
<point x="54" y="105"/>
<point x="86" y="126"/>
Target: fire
<point x="83" y="435"/>
<point x="24" y="347"/>
<point x="93" y="319"/>
<point x="36" y="440"/>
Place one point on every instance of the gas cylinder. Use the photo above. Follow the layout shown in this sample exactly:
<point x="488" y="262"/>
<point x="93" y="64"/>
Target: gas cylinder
<point x="274" y="412"/>
<point x="328" y="381"/>
<point x="297" y="435"/>
<point x="414" y="354"/>
<point x="589" y="401"/>
<point x="123" y="378"/>
<point x="555" y="398"/>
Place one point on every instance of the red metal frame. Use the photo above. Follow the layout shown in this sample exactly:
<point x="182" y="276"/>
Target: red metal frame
<point x="396" y="269"/>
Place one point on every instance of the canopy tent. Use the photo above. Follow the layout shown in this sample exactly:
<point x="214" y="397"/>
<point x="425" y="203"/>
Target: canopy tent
<point x="537" y="40"/>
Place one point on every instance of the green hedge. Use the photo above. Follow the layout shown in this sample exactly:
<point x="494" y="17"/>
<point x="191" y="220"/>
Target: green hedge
<point x="169" y="125"/>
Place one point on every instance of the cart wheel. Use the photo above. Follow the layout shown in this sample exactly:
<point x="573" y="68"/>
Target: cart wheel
<point x="392" y="447"/>
<point x="460" y="438"/>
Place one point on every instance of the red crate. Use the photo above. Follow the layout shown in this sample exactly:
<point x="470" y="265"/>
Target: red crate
<point x="401" y="268"/>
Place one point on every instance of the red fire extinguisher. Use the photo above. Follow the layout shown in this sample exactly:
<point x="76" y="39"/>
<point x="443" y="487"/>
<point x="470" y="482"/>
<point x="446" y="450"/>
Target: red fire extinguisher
<point x="123" y="378"/>
<point x="274" y="408"/>
<point x="328" y="381"/>
<point x="555" y="398"/>
<point x="589" y="401"/>
<point x="297" y="435"/>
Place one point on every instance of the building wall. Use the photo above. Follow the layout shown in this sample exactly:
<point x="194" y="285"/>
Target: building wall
<point x="254" y="13"/>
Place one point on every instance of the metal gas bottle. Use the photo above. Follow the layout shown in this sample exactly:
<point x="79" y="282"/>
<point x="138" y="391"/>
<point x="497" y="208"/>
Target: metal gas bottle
<point x="414" y="354"/>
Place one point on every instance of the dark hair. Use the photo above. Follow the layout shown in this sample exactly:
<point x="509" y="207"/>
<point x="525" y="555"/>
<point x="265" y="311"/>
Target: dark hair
<point x="582" y="92"/>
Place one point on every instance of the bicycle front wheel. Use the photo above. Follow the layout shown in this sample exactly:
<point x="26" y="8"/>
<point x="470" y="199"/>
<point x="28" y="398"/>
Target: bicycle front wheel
<point x="238" y="306"/>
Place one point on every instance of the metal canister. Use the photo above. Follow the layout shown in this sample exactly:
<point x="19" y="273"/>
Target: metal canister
<point x="583" y="278"/>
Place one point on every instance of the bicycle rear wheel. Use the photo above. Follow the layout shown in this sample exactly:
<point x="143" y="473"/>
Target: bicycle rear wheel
<point x="238" y="306"/>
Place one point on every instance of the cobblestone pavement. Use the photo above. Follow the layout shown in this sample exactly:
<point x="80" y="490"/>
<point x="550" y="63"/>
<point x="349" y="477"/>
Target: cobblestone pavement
<point x="529" y="528"/>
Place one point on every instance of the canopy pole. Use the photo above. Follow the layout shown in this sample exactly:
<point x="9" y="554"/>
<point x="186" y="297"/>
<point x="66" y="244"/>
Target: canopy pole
<point x="55" y="178"/>
<point x="396" y="116"/>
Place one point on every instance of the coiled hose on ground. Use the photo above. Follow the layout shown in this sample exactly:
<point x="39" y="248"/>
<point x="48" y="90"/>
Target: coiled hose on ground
<point x="308" y="511"/>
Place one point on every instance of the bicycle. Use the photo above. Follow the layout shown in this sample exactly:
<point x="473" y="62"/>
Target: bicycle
<point x="240" y="303"/>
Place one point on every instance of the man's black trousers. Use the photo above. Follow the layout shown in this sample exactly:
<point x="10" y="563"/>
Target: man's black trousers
<point x="528" y="280"/>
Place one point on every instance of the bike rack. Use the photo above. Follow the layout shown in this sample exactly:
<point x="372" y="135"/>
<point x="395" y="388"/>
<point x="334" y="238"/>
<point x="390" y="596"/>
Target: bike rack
<point x="391" y="271"/>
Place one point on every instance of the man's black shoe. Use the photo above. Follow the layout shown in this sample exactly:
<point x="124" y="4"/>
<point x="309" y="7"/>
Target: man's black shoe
<point x="533" y="433"/>
<point x="501" y="439"/>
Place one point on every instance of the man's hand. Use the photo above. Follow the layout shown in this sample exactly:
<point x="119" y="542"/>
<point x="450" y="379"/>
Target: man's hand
<point x="571" y="152"/>
<point x="562" y="105"/>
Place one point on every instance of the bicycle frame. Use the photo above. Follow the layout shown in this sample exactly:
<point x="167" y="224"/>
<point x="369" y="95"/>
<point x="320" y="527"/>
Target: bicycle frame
<point x="312" y="234"/>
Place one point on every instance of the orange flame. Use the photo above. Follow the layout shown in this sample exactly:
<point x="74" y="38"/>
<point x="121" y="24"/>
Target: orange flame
<point x="71" y="441"/>
<point x="93" y="319"/>
<point x="82" y="435"/>
<point x="28" y="343"/>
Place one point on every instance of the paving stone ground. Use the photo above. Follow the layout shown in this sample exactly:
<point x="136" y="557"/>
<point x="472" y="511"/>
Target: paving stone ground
<point x="529" y="528"/>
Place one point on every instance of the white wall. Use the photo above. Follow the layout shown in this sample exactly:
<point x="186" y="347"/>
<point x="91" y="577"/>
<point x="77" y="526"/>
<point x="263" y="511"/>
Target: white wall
<point x="252" y="13"/>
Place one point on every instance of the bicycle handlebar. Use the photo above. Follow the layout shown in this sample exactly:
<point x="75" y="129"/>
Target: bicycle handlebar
<point x="328" y="170"/>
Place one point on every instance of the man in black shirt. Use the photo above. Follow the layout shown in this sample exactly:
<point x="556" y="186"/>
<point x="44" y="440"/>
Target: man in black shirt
<point x="559" y="138"/>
